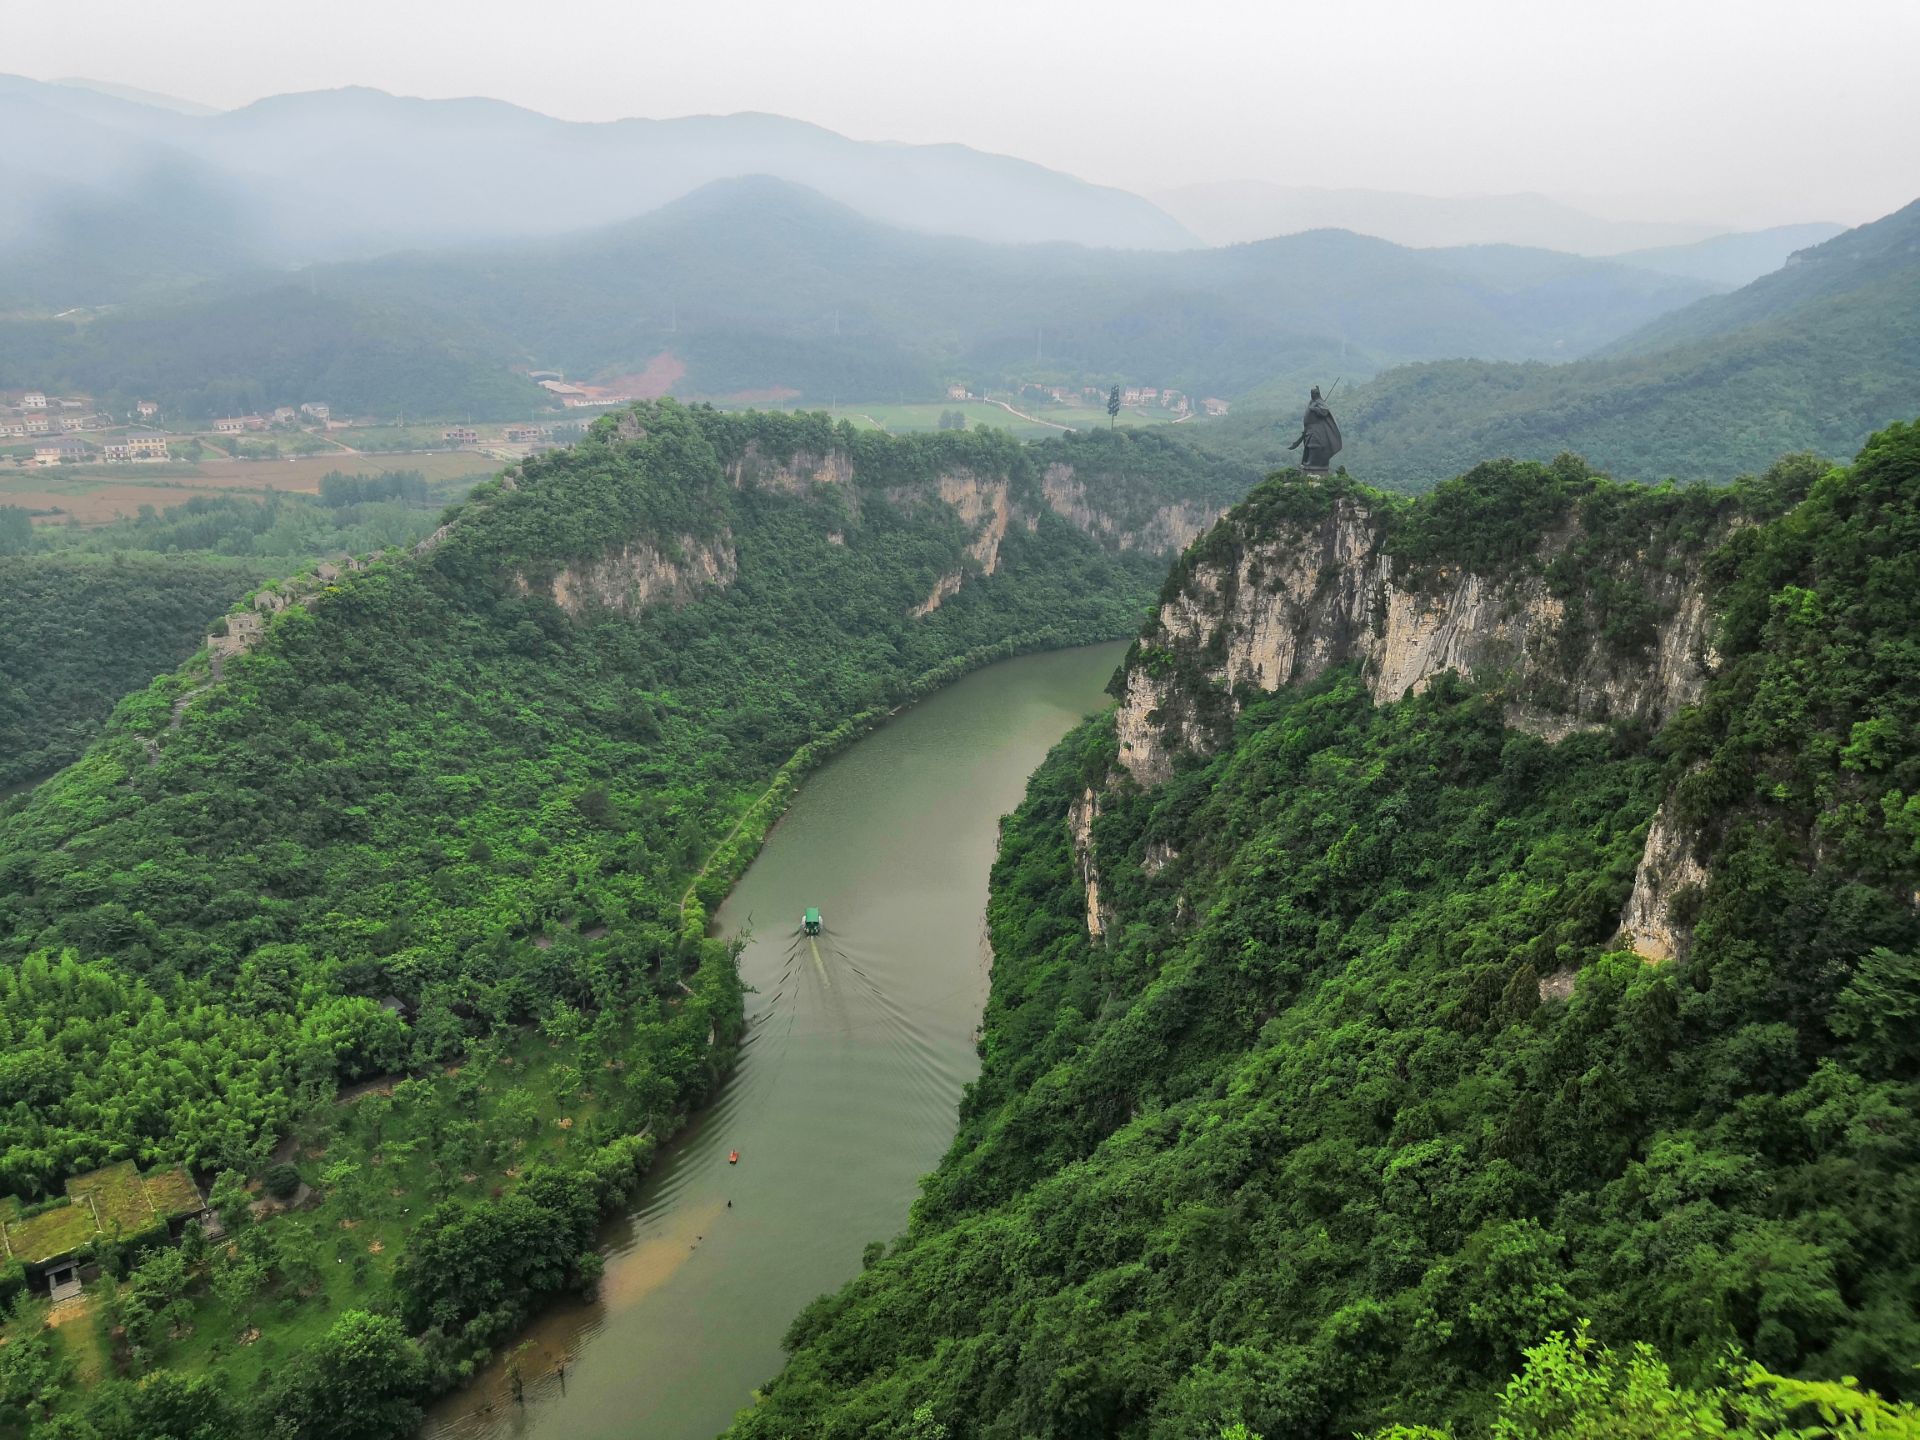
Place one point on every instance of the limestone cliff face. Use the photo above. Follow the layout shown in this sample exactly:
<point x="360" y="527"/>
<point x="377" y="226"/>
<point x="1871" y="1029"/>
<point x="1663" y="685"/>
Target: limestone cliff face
<point x="1263" y="604"/>
<point x="1080" y="817"/>
<point x="1169" y="529"/>
<point x="1278" y="608"/>
<point x="632" y="577"/>
<point x="983" y="504"/>
<point x="796" y="475"/>
<point x="1668" y="869"/>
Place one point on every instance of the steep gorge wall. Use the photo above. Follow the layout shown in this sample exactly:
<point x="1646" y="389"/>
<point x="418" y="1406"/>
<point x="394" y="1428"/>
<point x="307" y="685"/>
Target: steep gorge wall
<point x="1276" y="609"/>
<point x="1257" y="608"/>
<point x="1167" y="529"/>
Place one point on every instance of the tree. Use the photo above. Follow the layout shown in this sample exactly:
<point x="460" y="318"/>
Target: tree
<point x="281" y="1181"/>
<point x="237" y="1280"/>
<point x="230" y="1200"/>
<point x="341" y="1181"/>
<point x="1574" y="1388"/>
<point x="1113" y="406"/>
<point x="360" y="1382"/>
<point x="16" y="530"/>
<point x="165" y="1405"/>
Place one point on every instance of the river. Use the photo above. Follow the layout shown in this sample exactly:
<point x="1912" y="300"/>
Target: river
<point x="858" y="1047"/>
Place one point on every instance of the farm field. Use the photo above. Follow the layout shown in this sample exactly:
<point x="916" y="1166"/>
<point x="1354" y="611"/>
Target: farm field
<point x="96" y="494"/>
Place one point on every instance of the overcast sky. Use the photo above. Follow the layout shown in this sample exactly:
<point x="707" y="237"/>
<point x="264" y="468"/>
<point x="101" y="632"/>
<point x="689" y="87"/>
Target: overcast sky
<point x="1740" y="112"/>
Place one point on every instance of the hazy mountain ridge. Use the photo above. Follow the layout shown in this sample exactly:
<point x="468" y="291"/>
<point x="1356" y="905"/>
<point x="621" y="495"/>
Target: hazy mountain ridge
<point x="759" y="285"/>
<point x="328" y="175"/>
<point x="1227" y="212"/>
<point x="1735" y="259"/>
<point x="1815" y="356"/>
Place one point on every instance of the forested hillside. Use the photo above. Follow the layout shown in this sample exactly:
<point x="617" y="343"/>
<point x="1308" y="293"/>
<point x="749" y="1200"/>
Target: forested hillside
<point x="448" y="826"/>
<point x="87" y="615"/>
<point x="77" y="634"/>
<point x="755" y="283"/>
<point x="1484" y="915"/>
<point x="1812" y="357"/>
<point x="248" y="347"/>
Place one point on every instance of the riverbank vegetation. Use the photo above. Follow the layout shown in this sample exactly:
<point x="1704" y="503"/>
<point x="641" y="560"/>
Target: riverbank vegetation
<point x="429" y="813"/>
<point x="1357" y="1103"/>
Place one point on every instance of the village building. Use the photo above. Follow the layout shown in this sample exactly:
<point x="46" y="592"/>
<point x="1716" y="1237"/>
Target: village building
<point x="234" y="424"/>
<point x="41" y="425"/>
<point x="116" y="1202"/>
<point x="147" y="409"/>
<point x="461" y="435"/>
<point x="56" y="452"/>
<point x="523" y="434"/>
<point x="285" y="415"/>
<point x="317" y="410"/>
<point x="133" y="448"/>
<point x="959" y="392"/>
<point x="33" y="400"/>
<point x="1214" y="406"/>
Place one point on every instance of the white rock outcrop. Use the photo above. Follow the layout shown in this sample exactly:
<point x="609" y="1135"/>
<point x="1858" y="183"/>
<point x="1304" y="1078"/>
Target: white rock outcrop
<point x="1282" y="609"/>
<point x="1667" y="866"/>
<point x="631" y="577"/>
<point x="1168" y="530"/>
<point x="1080" y="817"/>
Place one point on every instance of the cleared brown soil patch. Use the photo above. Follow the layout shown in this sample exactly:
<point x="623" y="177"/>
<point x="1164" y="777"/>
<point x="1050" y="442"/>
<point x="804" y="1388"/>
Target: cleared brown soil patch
<point x="663" y="372"/>
<point x="67" y="1311"/>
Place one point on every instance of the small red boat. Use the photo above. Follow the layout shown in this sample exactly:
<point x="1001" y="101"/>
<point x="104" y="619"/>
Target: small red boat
<point x="733" y="1157"/>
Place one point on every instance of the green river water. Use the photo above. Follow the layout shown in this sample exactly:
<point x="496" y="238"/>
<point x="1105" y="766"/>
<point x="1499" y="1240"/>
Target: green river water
<point x="859" y="1045"/>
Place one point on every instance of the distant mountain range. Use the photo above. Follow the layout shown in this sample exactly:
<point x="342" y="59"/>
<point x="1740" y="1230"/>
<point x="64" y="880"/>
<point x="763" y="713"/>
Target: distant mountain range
<point x="138" y="96"/>
<point x="761" y="287"/>
<point x="350" y="173"/>
<point x="1816" y="355"/>
<point x="1733" y="260"/>
<point x="1228" y="212"/>
<point x="117" y="193"/>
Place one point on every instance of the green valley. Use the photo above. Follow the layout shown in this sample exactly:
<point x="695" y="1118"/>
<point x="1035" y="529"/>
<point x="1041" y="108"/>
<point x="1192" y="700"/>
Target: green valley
<point x="424" y="826"/>
<point x="89" y="614"/>
<point x="680" y="756"/>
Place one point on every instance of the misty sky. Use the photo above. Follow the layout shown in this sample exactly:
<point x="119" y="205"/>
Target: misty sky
<point x="1743" y="112"/>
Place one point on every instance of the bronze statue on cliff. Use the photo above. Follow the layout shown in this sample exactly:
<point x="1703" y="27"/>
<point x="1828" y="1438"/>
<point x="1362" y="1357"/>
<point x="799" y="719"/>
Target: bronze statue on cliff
<point x="1319" y="433"/>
